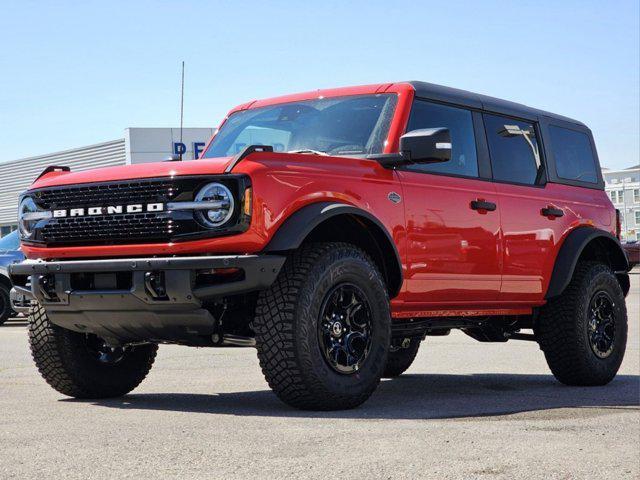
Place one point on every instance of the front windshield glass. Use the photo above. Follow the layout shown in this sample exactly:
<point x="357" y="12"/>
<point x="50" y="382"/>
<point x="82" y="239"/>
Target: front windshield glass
<point x="354" y="125"/>
<point x="10" y="242"/>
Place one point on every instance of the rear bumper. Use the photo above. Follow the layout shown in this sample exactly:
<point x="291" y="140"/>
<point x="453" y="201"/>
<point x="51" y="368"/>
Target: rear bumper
<point x="116" y="299"/>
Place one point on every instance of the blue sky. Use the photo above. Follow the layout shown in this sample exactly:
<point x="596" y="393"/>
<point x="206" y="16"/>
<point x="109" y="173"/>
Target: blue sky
<point x="76" y="73"/>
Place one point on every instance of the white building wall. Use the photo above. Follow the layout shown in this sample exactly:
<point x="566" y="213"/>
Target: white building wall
<point x="623" y="187"/>
<point x="17" y="175"/>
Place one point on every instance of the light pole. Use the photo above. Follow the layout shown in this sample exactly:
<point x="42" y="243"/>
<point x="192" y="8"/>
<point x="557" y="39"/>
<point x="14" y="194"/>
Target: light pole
<point x="624" y="206"/>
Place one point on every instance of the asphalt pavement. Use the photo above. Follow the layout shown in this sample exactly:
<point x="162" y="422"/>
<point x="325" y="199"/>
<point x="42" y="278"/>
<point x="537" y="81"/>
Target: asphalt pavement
<point x="464" y="410"/>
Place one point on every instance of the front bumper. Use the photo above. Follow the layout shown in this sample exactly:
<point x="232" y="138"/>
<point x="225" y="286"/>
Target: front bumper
<point x="117" y="300"/>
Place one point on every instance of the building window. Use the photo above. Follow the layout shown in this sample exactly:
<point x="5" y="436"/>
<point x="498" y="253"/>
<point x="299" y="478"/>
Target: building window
<point x="637" y="214"/>
<point x="636" y="195"/>
<point x="616" y="196"/>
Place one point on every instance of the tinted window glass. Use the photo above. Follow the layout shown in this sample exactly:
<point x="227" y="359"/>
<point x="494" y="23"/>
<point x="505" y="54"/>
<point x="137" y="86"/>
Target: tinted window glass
<point x="464" y="160"/>
<point x="355" y="125"/>
<point x="513" y="148"/>
<point x="573" y="155"/>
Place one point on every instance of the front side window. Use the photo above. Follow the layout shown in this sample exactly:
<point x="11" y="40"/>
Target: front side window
<point x="353" y="125"/>
<point x="513" y="145"/>
<point x="464" y="160"/>
<point x="573" y="155"/>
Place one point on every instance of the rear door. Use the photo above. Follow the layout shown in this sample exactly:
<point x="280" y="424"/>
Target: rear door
<point x="533" y="219"/>
<point x="453" y="249"/>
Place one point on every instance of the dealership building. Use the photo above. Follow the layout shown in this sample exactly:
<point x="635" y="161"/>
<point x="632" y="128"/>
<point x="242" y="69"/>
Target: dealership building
<point x="139" y="145"/>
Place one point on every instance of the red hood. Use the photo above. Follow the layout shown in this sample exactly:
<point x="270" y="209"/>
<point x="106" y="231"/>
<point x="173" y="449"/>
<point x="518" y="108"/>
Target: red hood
<point x="127" y="172"/>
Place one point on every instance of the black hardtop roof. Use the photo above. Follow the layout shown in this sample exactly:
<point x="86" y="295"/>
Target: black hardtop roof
<point x="484" y="102"/>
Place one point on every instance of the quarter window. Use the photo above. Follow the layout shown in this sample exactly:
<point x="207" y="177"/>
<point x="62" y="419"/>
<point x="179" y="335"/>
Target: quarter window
<point x="464" y="160"/>
<point x="573" y="155"/>
<point x="513" y="144"/>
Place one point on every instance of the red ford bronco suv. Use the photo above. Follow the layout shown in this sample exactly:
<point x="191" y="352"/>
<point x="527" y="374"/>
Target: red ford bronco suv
<point x="333" y="230"/>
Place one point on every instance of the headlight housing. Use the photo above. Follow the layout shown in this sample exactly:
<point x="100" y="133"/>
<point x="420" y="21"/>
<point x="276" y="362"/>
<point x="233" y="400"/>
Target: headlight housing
<point x="28" y="216"/>
<point x="214" y="204"/>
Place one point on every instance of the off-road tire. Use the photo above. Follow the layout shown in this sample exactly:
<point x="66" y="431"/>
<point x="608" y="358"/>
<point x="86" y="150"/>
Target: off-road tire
<point x="399" y="360"/>
<point x="66" y="364"/>
<point x="286" y="328"/>
<point x="562" y="328"/>
<point x="5" y="304"/>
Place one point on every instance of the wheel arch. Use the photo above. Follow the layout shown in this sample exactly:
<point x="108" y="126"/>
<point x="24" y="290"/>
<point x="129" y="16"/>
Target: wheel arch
<point x="587" y="243"/>
<point x="330" y="221"/>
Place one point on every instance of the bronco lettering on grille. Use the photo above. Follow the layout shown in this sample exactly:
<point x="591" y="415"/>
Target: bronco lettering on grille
<point x="108" y="210"/>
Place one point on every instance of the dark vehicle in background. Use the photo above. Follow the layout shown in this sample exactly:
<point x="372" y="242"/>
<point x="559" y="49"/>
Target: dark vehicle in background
<point x="632" y="249"/>
<point x="9" y="253"/>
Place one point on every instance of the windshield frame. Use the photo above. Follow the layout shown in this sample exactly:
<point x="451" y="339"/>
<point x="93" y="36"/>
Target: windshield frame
<point x="404" y="93"/>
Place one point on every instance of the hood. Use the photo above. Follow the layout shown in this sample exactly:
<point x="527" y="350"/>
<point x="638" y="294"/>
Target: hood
<point x="209" y="166"/>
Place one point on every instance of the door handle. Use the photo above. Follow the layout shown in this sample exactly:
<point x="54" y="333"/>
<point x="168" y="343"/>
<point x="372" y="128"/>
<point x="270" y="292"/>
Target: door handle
<point x="552" y="212"/>
<point x="483" y="205"/>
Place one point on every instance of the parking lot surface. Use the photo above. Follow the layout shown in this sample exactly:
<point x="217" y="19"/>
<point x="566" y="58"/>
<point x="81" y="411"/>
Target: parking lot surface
<point x="463" y="410"/>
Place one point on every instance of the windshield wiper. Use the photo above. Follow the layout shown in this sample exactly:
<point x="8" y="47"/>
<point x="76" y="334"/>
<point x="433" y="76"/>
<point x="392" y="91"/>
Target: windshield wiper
<point x="308" y="150"/>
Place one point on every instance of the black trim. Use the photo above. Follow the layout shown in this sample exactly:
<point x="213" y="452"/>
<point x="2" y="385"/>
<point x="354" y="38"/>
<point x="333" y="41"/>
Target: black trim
<point x="299" y="225"/>
<point x="456" y="96"/>
<point x="482" y="205"/>
<point x="52" y="168"/>
<point x="245" y="153"/>
<point x="552" y="212"/>
<point x="570" y="252"/>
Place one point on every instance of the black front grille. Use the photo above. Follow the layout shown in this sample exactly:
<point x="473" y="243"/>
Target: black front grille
<point x="100" y="194"/>
<point x="130" y="228"/>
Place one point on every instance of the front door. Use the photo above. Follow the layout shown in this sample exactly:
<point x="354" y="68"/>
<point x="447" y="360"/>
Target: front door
<point x="453" y="224"/>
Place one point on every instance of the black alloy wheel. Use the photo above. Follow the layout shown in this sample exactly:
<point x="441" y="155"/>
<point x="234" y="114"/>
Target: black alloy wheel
<point x="344" y="328"/>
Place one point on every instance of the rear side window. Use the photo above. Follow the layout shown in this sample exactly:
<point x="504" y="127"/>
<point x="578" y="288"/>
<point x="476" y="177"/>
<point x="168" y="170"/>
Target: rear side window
<point x="464" y="160"/>
<point x="573" y="155"/>
<point x="513" y="145"/>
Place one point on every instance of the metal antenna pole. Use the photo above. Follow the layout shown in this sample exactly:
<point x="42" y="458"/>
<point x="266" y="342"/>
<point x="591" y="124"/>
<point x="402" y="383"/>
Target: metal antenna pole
<point x="181" y="107"/>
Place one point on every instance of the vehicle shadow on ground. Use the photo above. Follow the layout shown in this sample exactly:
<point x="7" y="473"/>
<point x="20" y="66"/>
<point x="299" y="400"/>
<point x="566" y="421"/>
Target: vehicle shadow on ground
<point x="413" y="397"/>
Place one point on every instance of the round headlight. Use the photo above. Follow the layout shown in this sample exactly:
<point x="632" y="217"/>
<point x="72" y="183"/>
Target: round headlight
<point x="217" y="204"/>
<point x="26" y="222"/>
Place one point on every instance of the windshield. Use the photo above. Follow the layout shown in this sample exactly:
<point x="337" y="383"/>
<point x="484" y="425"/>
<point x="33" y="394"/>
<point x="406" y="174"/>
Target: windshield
<point x="354" y="125"/>
<point x="10" y="242"/>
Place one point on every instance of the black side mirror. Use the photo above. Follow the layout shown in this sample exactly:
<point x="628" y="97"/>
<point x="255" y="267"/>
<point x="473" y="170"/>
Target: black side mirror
<point x="427" y="145"/>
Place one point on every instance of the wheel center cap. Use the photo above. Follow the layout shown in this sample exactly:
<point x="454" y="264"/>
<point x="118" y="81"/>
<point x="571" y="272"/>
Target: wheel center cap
<point x="336" y="329"/>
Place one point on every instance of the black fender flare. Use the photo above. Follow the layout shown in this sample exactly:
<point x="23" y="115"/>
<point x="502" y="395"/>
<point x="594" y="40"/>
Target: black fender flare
<point x="301" y="223"/>
<point x="569" y="254"/>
